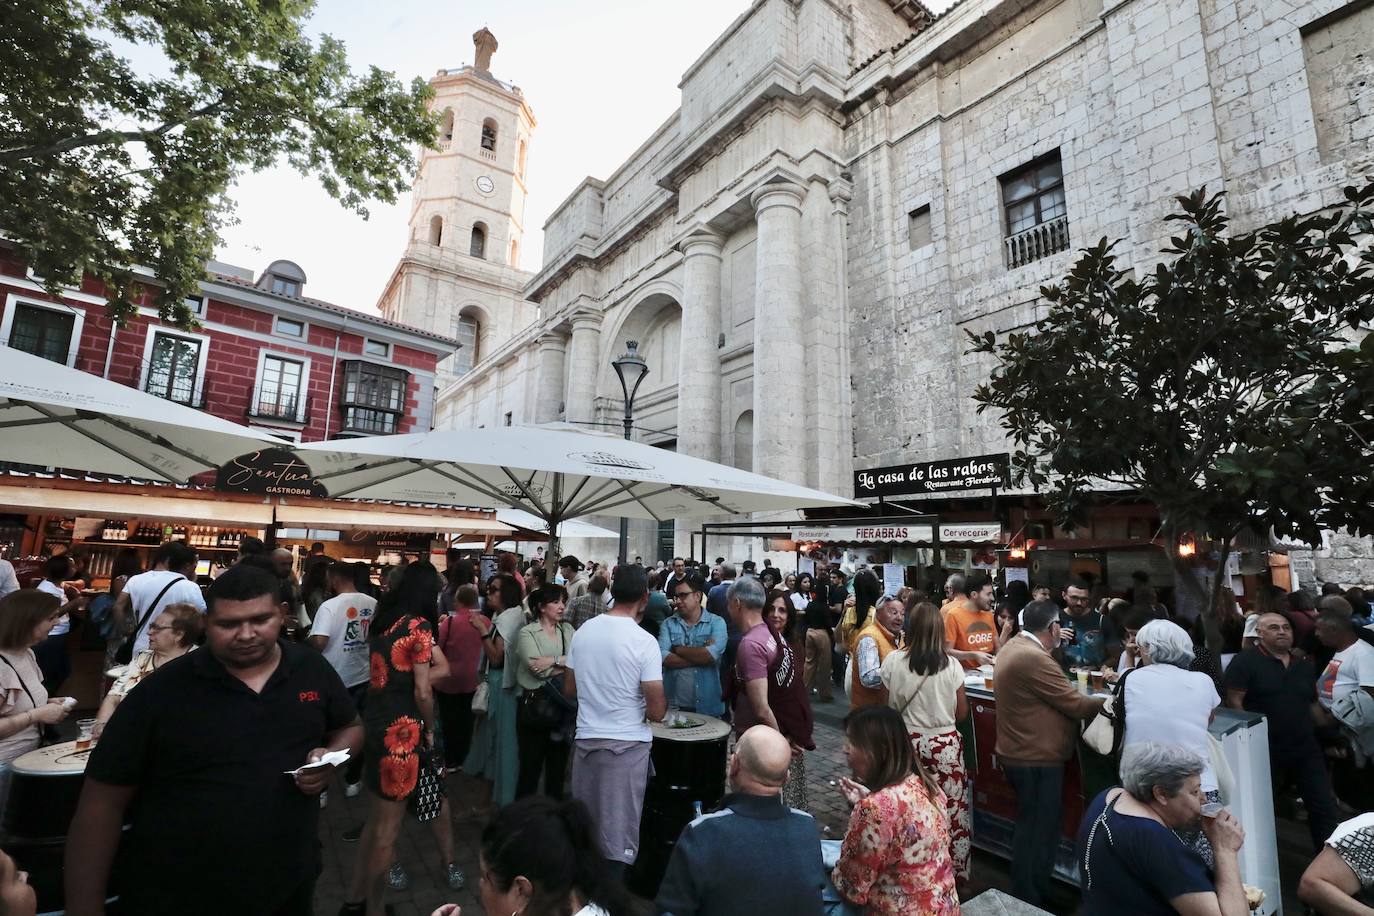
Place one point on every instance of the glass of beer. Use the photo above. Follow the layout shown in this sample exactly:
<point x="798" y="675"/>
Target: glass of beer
<point x="84" y="740"/>
<point x="1099" y="679"/>
<point x="1081" y="674"/>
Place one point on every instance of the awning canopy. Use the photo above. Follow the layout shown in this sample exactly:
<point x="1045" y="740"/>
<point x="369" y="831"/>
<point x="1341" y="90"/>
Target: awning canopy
<point x="381" y="518"/>
<point x="176" y="506"/>
<point x="55" y="416"/>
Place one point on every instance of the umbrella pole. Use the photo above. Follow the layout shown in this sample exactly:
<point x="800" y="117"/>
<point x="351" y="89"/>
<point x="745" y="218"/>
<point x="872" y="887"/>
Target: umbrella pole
<point x="555" y="515"/>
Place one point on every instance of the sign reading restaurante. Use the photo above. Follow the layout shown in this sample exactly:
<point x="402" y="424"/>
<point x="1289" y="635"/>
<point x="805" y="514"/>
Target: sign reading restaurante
<point x="981" y="473"/>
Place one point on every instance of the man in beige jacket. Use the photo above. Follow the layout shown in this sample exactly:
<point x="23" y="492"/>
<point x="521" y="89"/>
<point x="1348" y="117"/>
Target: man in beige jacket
<point x="1038" y="712"/>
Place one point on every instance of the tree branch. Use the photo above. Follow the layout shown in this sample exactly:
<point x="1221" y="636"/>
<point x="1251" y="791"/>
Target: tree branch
<point x="105" y="137"/>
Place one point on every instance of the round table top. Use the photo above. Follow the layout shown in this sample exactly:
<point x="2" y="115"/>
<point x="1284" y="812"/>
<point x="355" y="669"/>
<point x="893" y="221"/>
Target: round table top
<point x="689" y="726"/>
<point x="54" y="760"/>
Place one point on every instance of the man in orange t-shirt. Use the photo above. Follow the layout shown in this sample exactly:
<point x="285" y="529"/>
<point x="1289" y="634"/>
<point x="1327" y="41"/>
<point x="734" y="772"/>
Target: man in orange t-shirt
<point x="970" y="628"/>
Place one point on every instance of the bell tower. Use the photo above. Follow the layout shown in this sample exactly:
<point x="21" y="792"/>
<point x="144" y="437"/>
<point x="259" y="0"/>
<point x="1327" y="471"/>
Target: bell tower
<point x="460" y="275"/>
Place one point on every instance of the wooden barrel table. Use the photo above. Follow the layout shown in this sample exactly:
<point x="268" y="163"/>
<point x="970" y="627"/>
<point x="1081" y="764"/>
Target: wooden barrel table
<point x="689" y="756"/>
<point x="44" y="788"/>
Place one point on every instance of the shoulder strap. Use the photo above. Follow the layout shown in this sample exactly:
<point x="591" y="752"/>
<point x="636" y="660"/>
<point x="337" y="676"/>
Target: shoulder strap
<point x="143" y="621"/>
<point x="27" y="692"/>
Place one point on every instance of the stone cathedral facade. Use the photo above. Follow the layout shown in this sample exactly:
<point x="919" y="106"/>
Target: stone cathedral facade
<point x="848" y="186"/>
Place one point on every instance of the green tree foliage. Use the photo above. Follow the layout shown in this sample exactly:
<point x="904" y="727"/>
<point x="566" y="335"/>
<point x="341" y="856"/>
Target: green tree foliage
<point x="1233" y="385"/>
<point x="103" y="168"/>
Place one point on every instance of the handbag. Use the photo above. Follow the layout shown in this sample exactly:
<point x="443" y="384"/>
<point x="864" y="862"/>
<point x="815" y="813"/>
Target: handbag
<point x="125" y="653"/>
<point x="545" y="708"/>
<point x="1104" y="734"/>
<point x="428" y="798"/>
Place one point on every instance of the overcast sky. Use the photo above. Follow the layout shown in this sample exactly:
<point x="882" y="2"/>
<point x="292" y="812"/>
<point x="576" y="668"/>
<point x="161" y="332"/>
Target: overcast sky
<point x="600" y="77"/>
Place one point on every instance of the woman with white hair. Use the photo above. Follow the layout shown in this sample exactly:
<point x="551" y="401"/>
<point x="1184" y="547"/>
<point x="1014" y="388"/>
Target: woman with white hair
<point x="1167" y="703"/>
<point x="1128" y="851"/>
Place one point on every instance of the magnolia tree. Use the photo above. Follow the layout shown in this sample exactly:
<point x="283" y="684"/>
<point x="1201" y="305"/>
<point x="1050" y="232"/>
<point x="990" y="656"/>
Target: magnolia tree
<point x="1232" y="385"/>
<point x="105" y="166"/>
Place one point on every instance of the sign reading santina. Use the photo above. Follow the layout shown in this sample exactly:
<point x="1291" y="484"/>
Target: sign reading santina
<point x="272" y="471"/>
<point x="984" y="472"/>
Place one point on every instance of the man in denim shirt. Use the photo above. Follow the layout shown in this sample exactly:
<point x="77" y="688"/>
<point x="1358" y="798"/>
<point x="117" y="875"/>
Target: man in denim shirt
<point x="692" y="641"/>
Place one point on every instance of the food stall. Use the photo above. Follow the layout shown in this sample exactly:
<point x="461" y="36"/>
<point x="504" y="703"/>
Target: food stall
<point x="1244" y="740"/>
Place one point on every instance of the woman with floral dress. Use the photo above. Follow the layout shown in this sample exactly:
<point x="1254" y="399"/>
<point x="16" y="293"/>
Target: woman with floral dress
<point x="895" y="857"/>
<point x="398" y="722"/>
<point x="926" y="688"/>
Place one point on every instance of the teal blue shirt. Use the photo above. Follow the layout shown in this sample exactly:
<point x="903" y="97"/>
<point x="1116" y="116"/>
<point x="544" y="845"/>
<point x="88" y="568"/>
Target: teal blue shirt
<point x="696" y="689"/>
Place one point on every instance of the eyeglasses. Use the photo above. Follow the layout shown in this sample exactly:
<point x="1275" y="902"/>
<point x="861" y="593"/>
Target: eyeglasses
<point x="155" y="628"/>
<point x="681" y="596"/>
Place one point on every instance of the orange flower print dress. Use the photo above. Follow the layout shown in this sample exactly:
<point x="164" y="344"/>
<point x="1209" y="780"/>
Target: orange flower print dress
<point x="895" y="858"/>
<point x="391" y="718"/>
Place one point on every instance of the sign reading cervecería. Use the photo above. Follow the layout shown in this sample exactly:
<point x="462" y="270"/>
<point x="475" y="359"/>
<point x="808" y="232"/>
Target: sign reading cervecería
<point x="981" y="473"/>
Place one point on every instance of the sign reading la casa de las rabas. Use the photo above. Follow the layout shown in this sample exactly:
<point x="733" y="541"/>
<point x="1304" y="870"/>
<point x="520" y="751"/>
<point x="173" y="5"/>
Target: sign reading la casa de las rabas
<point x="984" y="472"/>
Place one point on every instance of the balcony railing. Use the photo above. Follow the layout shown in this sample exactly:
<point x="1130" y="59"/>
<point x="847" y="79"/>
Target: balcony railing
<point x="1037" y="242"/>
<point x="487" y="154"/>
<point x="284" y="408"/>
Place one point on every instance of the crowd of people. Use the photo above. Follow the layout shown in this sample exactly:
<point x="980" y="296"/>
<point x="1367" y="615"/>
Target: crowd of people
<point x="542" y="685"/>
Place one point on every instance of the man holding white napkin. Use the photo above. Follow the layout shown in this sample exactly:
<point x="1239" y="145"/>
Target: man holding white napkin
<point x="205" y="763"/>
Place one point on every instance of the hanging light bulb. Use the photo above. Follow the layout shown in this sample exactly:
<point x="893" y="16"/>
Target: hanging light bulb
<point x="1187" y="546"/>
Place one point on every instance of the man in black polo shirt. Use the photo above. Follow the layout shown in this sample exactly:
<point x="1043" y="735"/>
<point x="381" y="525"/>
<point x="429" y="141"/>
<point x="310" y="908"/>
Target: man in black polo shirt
<point x="1269" y="679"/>
<point x="198" y="761"/>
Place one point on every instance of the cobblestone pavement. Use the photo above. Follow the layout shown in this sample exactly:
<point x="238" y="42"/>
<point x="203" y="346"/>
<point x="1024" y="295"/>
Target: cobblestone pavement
<point x="427" y="885"/>
<point x="824" y="765"/>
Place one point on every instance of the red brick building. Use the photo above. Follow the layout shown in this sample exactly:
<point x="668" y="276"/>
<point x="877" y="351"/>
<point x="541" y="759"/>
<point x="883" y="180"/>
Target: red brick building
<point x="265" y="355"/>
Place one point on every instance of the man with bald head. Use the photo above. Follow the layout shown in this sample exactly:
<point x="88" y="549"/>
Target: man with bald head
<point x="753" y="857"/>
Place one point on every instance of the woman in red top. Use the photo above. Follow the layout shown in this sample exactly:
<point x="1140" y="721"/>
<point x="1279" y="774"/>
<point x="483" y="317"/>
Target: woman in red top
<point x="460" y="639"/>
<point x="895" y="859"/>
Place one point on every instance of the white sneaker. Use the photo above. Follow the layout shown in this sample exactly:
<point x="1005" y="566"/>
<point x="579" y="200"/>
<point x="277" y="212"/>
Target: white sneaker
<point x="324" y="799"/>
<point x="352" y="789"/>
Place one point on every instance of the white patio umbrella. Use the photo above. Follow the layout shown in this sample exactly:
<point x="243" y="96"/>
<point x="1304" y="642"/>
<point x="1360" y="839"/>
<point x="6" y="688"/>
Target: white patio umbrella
<point x="554" y="472"/>
<point x="55" y="416"/>
<point x="568" y="528"/>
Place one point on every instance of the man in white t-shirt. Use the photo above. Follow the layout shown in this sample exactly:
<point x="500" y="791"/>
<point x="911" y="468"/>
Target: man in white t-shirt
<point x="9" y="582"/>
<point x="615" y="670"/>
<point x="174" y="569"/>
<point x="1351" y="668"/>
<point x="340" y="627"/>
<point x="340" y="631"/>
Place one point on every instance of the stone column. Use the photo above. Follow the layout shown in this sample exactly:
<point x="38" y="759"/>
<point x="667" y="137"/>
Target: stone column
<point x="698" y="391"/>
<point x="582" y="366"/>
<point x="779" y="334"/>
<point x="548" y="381"/>
<point x="698" y="388"/>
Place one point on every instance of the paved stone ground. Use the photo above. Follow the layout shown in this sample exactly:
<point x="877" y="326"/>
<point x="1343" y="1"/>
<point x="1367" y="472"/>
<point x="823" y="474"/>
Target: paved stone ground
<point x="428" y="888"/>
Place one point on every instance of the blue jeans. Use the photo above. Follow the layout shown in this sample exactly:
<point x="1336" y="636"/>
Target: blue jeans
<point x="1035" y="835"/>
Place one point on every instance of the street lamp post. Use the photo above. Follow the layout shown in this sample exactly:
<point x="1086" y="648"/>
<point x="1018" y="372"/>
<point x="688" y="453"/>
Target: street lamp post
<point x="630" y="368"/>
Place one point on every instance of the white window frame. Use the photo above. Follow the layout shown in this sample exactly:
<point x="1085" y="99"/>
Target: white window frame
<point x="12" y="303"/>
<point x="284" y="281"/>
<point x="386" y="348"/>
<point x="289" y="435"/>
<point x="276" y="327"/>
<point x="154" y="330"/>
<point x="199" y="309"/>
<point x="301" y="396"/>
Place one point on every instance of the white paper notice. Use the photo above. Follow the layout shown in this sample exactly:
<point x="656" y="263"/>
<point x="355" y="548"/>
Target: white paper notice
<point x="894" y="578"/>
<point x="1017" y="574"/>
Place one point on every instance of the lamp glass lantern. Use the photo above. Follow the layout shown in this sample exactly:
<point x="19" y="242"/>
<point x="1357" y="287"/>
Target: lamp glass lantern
<point x="631" y="369"/>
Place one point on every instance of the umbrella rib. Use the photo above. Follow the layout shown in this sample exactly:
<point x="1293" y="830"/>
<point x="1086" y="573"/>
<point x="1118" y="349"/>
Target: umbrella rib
<point x="614" y="499"/>
<point x="539" y="507"/>
<point x="157" y="472"/>
<point x="160" y="440"/>
<point x="13" y="424"/>
<point x="591" y="497"/>
<point x="629" y="491"/>
<point x="361" y="467"/>
<point x="419" y="466"/>
<point x="472" y="480"/>
<point x="709" y="500"/>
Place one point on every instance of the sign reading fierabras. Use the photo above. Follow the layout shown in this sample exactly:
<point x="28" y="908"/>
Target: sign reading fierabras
<point x="984" y="472"/>
<point x="864" y="534"/>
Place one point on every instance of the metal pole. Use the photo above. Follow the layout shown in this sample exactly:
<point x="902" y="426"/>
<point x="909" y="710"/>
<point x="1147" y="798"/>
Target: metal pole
<point x="624" y="522"/>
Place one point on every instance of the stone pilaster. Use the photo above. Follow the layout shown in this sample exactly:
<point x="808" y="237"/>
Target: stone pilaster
<point x="583" y="356"/>
<point x="698" y="399"/>
<point x="779" y="333"/>
<point x="548" y="384"/>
